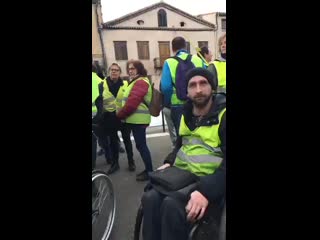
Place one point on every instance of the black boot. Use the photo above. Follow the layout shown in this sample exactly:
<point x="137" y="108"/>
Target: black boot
<point x="132" y="166"/>
<point x="114" y="167"/>
<point x="108" y="161"/>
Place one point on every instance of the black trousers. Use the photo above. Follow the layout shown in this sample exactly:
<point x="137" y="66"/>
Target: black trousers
<point x="107" y="128"/>
<point x="164" y="218"/>
<point x="94" y="151"/>
<point x="94" y="156"/>
<point x="125" y="133"/>
<point x="114" y="146"/>
<point x="104" y="143"/>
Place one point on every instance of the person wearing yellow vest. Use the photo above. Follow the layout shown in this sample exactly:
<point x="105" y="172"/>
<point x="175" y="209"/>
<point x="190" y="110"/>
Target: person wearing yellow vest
<point x="206" y="55"/>
<point x="135" y="113"/>
<point x="96" y="110"/>
<point x="107" y="125"/>
<point x="168" y="79"/>
<point x="117" y="87"/>
<point x="200" y="149"/>
<point x="103" y="142"/>
<point x="219" y="65"/>
<point x="95" y="92"/>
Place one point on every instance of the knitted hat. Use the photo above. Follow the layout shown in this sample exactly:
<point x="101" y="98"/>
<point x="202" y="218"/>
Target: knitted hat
<point x="204" y="73"/>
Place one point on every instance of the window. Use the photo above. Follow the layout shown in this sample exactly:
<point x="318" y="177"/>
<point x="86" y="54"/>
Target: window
<point x="162" y="18"/>
<point x="188" y="46"/>
<point x="182" y="24"/>
<point x="202" y="44"/>
<point x="120" y="49"/>
<point x="143" y="49"/>
<point x="140" y="22"/>
<point x="223" y="24"/>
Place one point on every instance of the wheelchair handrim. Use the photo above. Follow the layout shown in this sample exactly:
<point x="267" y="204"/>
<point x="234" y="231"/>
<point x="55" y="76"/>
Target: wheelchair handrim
<point x="111" y="215"/>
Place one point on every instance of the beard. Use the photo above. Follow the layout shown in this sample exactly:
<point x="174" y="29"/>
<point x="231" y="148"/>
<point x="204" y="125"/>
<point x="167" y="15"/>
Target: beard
<point x="201" y="101"/>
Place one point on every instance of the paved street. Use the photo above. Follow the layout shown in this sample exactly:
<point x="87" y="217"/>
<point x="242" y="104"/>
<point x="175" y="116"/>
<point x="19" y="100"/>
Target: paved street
<point x="128" y="190"/>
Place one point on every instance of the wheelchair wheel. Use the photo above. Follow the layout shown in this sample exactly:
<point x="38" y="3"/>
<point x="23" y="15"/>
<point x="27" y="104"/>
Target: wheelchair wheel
<point x="96" y="171"/>
<point x="103" y="206"/>
<point x="138" y="225"/>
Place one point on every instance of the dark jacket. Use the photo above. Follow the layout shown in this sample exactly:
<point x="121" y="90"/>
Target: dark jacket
<point x="107" y="121"/>
<point x="212" y="186"/>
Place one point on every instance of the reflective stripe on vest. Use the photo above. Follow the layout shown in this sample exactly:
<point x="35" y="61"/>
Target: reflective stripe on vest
<point x="142" y="114"/>
<point x="200" y="151"/>
<point x="221" y="68"/>
<point x="199" y="158"/>
<point x="172" y="63"/>
<point x="109" y="101"/>
<point x="195" y="141"/>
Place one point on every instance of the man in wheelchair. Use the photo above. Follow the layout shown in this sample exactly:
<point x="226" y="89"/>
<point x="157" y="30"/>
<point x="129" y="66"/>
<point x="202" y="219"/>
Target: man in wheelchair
<point x="200" y="149"/>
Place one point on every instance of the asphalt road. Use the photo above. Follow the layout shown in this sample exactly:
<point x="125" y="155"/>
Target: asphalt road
<point x="128" y="191"/>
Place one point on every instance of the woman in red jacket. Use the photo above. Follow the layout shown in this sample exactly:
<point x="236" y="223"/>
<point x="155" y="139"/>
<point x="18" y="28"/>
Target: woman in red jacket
<point x="135" y="113"/>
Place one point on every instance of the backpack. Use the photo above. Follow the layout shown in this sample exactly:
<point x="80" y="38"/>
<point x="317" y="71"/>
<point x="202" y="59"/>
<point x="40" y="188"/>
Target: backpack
<point x="155" y="105"/>
<point x="182" y="68"/>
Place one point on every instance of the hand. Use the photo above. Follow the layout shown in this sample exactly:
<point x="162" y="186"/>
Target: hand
<point x="163" y="166"/>
<point x="196" y="206"/>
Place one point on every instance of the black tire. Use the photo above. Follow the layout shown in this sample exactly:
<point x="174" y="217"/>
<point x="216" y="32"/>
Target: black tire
<point x="96" y="171"/>
<point x="138" y="223"/>
<point x="103" y="206"/>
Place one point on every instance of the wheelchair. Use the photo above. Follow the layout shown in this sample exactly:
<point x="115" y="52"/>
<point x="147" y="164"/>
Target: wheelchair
<point x="103" y="205"/>
<point x="210" y="227"/>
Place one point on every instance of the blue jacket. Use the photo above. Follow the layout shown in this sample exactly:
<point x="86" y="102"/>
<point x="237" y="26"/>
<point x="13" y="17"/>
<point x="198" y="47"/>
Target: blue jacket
<point x="166" y="85"/>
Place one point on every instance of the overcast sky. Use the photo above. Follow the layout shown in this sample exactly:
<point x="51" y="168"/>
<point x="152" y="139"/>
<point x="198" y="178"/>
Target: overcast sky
<point x="118" y="8"/>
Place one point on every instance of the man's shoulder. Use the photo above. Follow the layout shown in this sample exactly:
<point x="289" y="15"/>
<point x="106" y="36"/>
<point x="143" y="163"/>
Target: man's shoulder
<point x="95" y="77"/>
<point x="219" y="102"/>
<point x="195" y="56"/>
<point x="220" y="98"/>
<point x="169" y="59"/>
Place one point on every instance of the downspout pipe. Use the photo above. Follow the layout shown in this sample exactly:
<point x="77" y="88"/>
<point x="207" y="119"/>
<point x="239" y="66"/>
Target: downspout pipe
<point x="104" y="59"/>
<point x="216" y="33"/>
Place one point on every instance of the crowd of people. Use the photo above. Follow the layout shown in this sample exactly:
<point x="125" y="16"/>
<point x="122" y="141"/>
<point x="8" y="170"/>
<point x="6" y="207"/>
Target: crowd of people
<point x="196" y="120"/>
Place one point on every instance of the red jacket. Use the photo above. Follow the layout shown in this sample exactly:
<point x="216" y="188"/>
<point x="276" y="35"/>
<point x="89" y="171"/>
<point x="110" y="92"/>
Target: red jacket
<point x="139" y="90"/>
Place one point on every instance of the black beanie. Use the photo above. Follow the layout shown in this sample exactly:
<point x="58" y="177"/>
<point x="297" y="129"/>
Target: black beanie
<point x="204" y="73"/>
